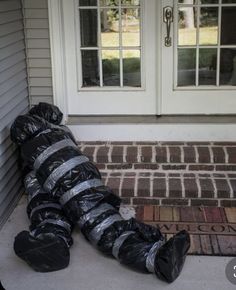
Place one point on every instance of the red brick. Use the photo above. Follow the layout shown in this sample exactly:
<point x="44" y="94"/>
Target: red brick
<point x="207" y="189"/>
<point x="225" y="167"/>
<point x="174" y="174"/>
<point x="218" y="155"/>
<point x="232" y="154"/>
<point x="117" y="154"/>
<point x="115" y="174"/>
<point x="114" y="184"/>
<point x="132" y="153"/>
<point x="174" y="201"/>
<point x="228" y="203"/>
<point x="161" y="154"/>
<point x="102" y="154"/>
<point x="175" y="154"/>
<point x="174" y="167"/>
<point x="148" y="214"/>
<point x="189" y="155"/>
<point x="204" y="202"/>
<point x="213" y="215"/>
<point x="146" y="154"/>
<point x="204" y="155"/>
<point x="175" y="187"/>
<point x="191" y="189"/>
<point x="130" y="174"/>
<point x="223" y="190"/>
<point x="143" y="187"/>
<point x="159" y="187"/>
<point x="119" y="166"/>
<point x="121" y="143"/>
<point x="201" y="167"/>
<point x="158" y="174"/>
<point x="127" y="187"/>
<point x="145" y="201"/>
<point x="126" y="200"/>
<point x="144" y="174"/>
<point x="139" y="210"/>
<point x="149" y="166"/>
<point x="100" y="166"/>
<point x="88" y="151"/>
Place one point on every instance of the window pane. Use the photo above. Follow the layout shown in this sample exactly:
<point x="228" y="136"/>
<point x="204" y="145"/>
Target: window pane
<point x="228" y="67"/>
<point x="131" y="68"/>
<point x="110" y="27"/>
<point x="186" y="67"/>
<point x="111" y="67"/>
<point x="228" y="31"/>
<point x="208" y="31"/>
<point x="130" y="27"/>
<point x="207" y="66"/>
<point x="90" y="69"/>
<point x="88" y="2"/>
<point x="109" y="2"/>
<point x="88" y="27"/>
<point x="130" y="2"/>
<point x="187" y="26"/>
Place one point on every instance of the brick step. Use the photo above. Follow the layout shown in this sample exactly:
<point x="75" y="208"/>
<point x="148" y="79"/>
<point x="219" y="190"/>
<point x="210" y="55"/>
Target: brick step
<point x="207" y="155"/>
<point x="173" y="188"/>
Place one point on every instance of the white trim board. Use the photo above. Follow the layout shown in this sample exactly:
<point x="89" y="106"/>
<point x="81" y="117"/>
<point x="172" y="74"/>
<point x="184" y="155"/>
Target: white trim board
<point x="154" y="132"/>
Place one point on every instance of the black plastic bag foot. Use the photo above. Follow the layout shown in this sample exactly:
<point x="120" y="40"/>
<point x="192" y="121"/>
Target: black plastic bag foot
<point x="45" y="254"/>
<point x="171" y="256"/>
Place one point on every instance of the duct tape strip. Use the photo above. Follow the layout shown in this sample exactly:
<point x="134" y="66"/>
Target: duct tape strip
<point x="51" y="150"/>
<point x="45" y="206"/>
<point x="119" y="242"/>
<point x="63" y="169"/>
<point x="97" y="232"/>
<point x="152" y="255"/>
<point x="43" y="132"/>
<point x="60" y="223"/>
<point x="79" y="188"/>
<point x="94" y="213"/>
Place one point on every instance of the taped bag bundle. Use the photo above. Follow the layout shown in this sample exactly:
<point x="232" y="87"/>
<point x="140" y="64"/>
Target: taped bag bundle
<point x="66" y="178"/>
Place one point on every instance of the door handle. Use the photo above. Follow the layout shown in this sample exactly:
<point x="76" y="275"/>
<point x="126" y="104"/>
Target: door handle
<point x="168" y="19"/>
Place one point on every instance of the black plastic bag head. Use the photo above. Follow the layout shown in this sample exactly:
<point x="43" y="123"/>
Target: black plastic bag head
<point x="26" y="127"/>
<point x="49" y="112"/>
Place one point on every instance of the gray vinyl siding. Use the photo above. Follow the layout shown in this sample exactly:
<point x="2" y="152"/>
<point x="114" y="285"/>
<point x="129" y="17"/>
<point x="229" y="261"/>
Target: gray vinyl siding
<point x="38" y="51"/>
<point x="14" y="99"/>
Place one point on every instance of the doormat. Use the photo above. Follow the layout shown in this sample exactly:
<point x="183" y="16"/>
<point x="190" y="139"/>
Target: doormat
<point x="212" y="230"/>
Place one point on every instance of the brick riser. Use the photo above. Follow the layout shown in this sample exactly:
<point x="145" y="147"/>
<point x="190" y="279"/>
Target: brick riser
<point x="160" y="173"/>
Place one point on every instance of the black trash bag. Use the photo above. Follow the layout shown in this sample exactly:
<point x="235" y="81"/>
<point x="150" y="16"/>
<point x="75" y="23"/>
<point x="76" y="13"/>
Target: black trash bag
<point x="49" y="112"/>
<point x="69" y="176"/>
<point x="46" y="247"/>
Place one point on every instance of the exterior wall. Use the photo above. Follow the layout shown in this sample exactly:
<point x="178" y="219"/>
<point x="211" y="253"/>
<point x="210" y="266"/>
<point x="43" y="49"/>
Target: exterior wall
<point x="13" y="99"/>
<point x="38" y="51"/>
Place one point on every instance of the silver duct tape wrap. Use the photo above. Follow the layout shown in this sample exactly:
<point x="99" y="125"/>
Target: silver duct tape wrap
<point x="44" y="132"/>
<point x="51" y="150"/>
<point x="97" y="232"/>
<point x="119" y="242"/>
<point x="60" y="223"/>
<point x="33" y="188"/>
<point x="63" y="169"/>
<point x="152" y="254"/>
<point x="44" y="206"/>
<point x="80" y="188"/>
<point x="94" y="213"/>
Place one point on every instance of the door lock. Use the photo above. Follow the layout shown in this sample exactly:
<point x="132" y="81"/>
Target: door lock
<point x="168" y="19"/>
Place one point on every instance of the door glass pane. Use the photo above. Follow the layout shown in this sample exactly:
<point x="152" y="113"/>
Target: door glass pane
<point x="186" y="67"/>
<point x="90" y="69"/>
<point x="207" y="66"/>
<point x="228" y="22"/>
<point x="228" y="67"/>
<point x="110" y="27"/>
<point x="130" y="2"/>
<point x="87" y="2"/>
<point x="187" y="26"/>
<point x="208" y="31"/>
<point x="88" y="27"/>
<point x="111" y="67"/>
<point x="131" y="68"/>
<point x="109" y="2"/>
<point x="130" y="27"/>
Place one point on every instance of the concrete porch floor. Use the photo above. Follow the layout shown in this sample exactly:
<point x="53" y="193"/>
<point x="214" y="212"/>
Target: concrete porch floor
<point x="89" y="269"/>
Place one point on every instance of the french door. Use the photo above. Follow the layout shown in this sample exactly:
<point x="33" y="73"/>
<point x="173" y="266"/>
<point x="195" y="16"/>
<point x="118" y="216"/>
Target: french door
<point x="198" y="57"/>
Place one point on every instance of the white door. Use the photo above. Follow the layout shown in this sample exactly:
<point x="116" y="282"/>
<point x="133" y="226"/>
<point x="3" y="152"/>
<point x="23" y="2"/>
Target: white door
<point x="199" y="65"/>
<point x="110" y="56"/>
